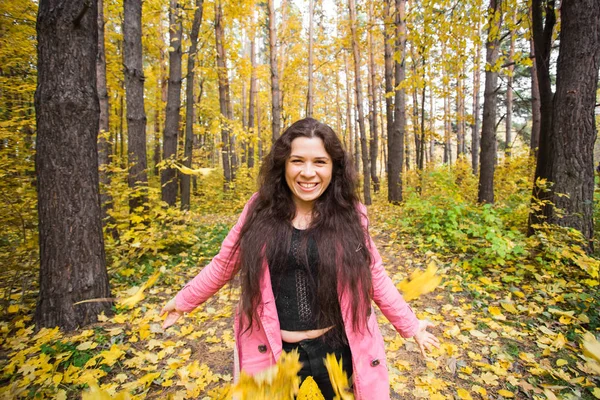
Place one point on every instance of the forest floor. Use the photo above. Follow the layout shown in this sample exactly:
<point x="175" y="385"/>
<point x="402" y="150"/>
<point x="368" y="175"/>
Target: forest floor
<point x="500" y="338"/>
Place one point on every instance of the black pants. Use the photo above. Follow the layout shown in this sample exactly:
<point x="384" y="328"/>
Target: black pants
<point x="312" y="355"/>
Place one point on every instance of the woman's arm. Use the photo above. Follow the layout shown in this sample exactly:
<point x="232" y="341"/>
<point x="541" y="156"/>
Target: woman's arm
<point x="390" y="301"/>
<point x="212" y="277"/>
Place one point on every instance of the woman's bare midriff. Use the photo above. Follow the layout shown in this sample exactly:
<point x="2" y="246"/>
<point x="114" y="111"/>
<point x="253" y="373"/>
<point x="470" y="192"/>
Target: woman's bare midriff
<point x="297" y="336"/>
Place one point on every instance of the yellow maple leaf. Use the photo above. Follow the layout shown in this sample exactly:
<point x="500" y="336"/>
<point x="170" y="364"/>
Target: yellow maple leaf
<point x="309" y="390"/>
<point x="506" y="393"/>
<point x="420" y="282"/>
<point x="131" y="301"/>
<point x="464" y="394"/>
<point x="95" y="393"/>
<point x="591" y="346"/>
<point x="596" y="392"/>
<point x="509" y="307"/>
<point x="111" y="356"/>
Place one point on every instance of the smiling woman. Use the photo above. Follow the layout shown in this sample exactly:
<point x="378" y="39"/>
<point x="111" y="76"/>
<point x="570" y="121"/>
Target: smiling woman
<point x="308" y="269"/>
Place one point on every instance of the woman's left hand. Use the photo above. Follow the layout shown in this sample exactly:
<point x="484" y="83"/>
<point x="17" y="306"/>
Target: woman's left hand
<point x="425" y="339"/>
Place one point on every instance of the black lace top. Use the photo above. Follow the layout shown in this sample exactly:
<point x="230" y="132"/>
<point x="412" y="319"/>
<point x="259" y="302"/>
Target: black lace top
<point x="295" y="287"/>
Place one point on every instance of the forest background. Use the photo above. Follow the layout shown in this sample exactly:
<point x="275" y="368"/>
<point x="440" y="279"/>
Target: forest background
<point x="148" y="127"/>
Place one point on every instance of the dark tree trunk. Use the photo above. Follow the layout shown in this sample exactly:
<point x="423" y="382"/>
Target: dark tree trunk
<point x="224" y="103"/>
<point x="542" y="41"/>
<point x="168" y="177"/>
<point x="275" y="92"/>
<point x="72" y="259"/>
<point x="359" y="106"/>
<point x="134" y="93"/>
<point x="488" y="127"/>
<point x="396" y="137"/>
<point x="388" y="78"/>
<point x="189" y="107"/>
<point x="104" y="144"/>
<point x="570" y="141"/>
<point x="349" y="108"/>
<point x="374" y="142"/>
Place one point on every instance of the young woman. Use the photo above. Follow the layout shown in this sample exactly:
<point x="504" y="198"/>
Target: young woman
<point x="308" y="269"/>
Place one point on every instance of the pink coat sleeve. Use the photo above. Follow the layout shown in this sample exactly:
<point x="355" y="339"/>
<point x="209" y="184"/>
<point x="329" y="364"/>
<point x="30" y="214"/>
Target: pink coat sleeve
<point x="217" y="273"/>
<point x="386" y="296"/>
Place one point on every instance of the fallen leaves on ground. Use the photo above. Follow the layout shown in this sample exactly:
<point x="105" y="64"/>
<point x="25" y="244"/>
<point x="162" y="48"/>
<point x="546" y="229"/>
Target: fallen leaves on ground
<point x="513" y="332"/>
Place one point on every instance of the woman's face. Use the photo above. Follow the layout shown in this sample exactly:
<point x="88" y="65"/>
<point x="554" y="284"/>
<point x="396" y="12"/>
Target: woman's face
<point x="308" y="170"/>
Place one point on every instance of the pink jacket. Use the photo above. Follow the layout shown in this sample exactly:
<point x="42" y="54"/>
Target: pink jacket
<point x="260" y="347"/>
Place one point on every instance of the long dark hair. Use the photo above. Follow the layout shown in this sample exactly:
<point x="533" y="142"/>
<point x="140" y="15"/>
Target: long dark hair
<point x="344" y="259"/>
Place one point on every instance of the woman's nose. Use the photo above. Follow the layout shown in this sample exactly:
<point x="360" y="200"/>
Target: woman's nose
<point x="308" y="170"/>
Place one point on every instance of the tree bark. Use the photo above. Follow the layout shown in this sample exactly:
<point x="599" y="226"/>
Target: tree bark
<point x="374" y="142"/>
<point x="104" y="145"/>
<point x="536" y="116"/>
<point x="224" y="99"/>
<point x="396" y="136"/>
<point x="72" y="258"/>
<point x="275" y="92"/>
<point x="509" y="89"/>
<point x="168" y="177"/>
<point x="389" y="81"/>
<point x="475" y="139"/>
<point x="189" y="106"/>
<point x="134" y="93"/>
<point x="488" y="128"/>
<point x="570" y="141"/>
<point x="359" y="105"/>
<point x="542" y="39"/>
<point x="349" y="108"/>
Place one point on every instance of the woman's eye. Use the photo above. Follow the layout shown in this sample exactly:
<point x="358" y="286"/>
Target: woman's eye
<point x="296" y="161"/>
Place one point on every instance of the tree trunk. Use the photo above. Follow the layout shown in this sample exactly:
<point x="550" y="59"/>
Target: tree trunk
<point x="168" y="177"/>
<point x="189" y="106"/>
<point x="359" y="106"/>
<point x="374" y="142"/>
<point x="460" y="119"/>
<point x="488" y="128"/>
<point x="542" y="39"/>
<point x="310" y="93"/>
<point x="475" y="139"/>
<point x="509" y="89"/>
<point x="252" y="100"/>
<point x="349" y="108"/>
<point x="134" y="92"/>
<point x="224" y="100"/>
<point x="72" y="258"/>
<point x="536" y="116"/>
<point x="396" y="137"/>
<point x="573" y="131"/>
<point x="104" y="145"/>
<point x="389" y="88"/>
<point x="275" y="92"/>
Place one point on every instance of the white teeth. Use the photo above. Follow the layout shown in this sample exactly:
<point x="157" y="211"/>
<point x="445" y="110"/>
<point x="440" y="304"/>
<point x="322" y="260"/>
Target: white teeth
<point x="308" y="185"/>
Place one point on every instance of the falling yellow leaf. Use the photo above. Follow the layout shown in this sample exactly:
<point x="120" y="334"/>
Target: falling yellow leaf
<point x="131" y="301"/>
<point x="338" y="378"/>
<point x="420" y="282"/>
<point x="463" y="394"/>
<point x="591" y="346"/>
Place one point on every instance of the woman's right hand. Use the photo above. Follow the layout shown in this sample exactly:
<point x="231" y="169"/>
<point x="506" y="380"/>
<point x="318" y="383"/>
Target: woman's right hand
<point x="173" y="314"/>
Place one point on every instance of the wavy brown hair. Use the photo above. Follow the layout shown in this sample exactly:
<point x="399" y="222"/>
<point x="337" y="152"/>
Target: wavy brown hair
<point x="344" y="259"/>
